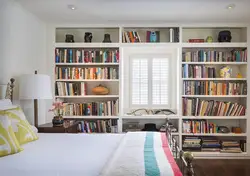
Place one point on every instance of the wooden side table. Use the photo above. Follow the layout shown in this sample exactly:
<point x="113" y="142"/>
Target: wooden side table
<point x="66" y="128"/>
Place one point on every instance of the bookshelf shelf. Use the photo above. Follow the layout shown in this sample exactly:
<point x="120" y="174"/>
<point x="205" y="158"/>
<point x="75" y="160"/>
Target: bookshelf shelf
<point x="216" y="63"/>
<point x="87" y="64"/>
<point x="88" y="80"/>
<point x="214" y="45"/>
<point x="87" y="45"/>
<point x="213" y="134"/>
<point x="215" y="96"/>
<point x="218" y="154"/>
<point x="162" y="44"/>
<point x="214" y="79"/>
<point x="90" y="96"/>
<point x="215" y="117"/>
<point x="91" y="117"/>
<point x="145" y="117"/>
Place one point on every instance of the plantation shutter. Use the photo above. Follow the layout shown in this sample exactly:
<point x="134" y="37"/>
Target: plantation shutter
<point x="160" y="81"/>
<point x="149" y="79"/>
<point x="139" y="81"/>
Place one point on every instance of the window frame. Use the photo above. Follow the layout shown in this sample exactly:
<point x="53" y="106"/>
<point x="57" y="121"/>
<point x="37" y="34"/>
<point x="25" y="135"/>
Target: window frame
<point x="150" y="58"/>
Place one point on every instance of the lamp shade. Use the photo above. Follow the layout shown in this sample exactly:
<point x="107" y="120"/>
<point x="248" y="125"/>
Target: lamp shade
<point x="3" y="89"/>
<point x="35" y="86"/>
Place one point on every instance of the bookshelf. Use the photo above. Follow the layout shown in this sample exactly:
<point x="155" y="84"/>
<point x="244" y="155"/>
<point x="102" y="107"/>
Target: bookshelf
<point x="82" y="66"/>
<point x="210" y="100"/>
<point x="189" y="58"/>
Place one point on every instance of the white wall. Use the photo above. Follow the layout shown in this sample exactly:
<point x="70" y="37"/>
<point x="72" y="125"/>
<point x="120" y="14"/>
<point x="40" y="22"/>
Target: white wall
<point x="22" y="48"/>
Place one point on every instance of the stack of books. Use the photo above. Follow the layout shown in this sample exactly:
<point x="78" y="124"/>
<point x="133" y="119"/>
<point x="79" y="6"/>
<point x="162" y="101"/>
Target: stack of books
<point x="210" y="145"/>
<point x="230" y="147"/>
<point x="192" y="144"/>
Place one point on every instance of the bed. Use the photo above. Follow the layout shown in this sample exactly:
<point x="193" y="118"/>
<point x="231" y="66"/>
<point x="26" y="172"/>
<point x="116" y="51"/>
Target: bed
<point x="132" y="153"/>
<point x="62" y="155"/>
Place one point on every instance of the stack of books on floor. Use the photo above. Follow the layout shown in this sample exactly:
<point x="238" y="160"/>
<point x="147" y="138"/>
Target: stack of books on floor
<point x="192" y="144"/>
<point x="230" y="147"/>
<point x="210" y="145"/>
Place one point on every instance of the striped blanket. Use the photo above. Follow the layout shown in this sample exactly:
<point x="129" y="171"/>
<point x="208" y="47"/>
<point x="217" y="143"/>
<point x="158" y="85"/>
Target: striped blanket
<point x="142" y="154"/>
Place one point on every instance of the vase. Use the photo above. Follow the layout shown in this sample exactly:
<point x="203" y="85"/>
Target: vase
<point x="57" y="121"/>
<point x="69" y="38"/>
<point x="106" y="38"/>
<point x="88" y="37"/>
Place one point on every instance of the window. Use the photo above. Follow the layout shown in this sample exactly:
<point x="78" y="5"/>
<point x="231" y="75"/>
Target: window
<point x="149" y="79"/>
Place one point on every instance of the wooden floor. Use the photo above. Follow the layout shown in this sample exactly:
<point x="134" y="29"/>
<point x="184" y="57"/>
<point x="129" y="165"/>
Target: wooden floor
<point x="222" y="167"/>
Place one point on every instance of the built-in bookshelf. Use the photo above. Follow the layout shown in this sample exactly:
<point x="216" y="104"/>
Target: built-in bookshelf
<point x="214" y="93"/>
<point x="212" y="82"/>
<point x="79" y="69"/>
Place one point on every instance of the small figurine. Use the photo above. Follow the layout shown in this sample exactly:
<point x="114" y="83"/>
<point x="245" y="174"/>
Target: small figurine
<point x="106" y="38"/>
<point x="225" y="72"/>
<point x="153" y="36"/>
<point x="69" y="38"/>
<point x="209" y="39"/>
<point x="88" y="37"/>
<point x="239" y="75"/>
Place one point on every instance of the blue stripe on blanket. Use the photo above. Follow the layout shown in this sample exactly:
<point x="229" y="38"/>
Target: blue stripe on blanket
<point x="151" y="167"/>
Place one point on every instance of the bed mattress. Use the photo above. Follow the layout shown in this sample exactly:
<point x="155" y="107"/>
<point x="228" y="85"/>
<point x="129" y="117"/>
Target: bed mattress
<point x="62" y="155"/>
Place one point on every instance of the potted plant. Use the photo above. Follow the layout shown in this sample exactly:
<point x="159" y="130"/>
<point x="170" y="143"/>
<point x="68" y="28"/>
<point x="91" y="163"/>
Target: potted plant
<point x="57" y="108"/>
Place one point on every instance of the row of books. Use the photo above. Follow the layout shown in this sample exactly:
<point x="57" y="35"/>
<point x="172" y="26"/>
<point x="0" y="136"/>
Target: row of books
<point x="214" y="88"/>
<point x="198" y="71"/>
<point x="70" y="89"/>
<point x="205" y="144"/>
<point x="131" y="37"/>
<point x="98" y="126"/>
<point x="105" y="108"/>
<point x="215" y="56"/>
<point x="86" y="56"/>
<point x="199" y="107"/>
<point x="86" y="73"/>
<point x="199" y="126"/>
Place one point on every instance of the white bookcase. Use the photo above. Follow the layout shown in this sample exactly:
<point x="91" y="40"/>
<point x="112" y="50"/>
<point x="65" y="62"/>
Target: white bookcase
<point x="240" y="41"/>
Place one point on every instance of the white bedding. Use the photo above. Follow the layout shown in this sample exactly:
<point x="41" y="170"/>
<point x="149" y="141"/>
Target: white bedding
<point x="62" y="155"/>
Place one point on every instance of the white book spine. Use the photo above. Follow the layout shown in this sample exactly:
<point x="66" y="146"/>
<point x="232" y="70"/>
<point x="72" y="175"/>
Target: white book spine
<point x="171" y="32"/>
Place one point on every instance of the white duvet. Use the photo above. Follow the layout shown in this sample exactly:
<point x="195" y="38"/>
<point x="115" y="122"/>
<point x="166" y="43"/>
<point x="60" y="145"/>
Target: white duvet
<point x="62" y="155"/>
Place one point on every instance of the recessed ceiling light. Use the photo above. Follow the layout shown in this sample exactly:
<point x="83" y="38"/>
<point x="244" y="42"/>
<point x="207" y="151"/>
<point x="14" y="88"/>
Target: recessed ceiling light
<point x="72" y="7"/>
<point x="231" y="6"/>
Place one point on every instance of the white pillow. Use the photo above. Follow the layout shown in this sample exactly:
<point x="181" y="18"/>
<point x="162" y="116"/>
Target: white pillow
<point x="5" y="102"/>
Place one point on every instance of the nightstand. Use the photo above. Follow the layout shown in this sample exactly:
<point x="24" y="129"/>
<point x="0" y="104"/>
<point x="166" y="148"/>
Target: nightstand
<point x="66" y="128"/>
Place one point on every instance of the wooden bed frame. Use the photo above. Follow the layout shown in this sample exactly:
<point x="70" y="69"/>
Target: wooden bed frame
<point x="183" y="159"/>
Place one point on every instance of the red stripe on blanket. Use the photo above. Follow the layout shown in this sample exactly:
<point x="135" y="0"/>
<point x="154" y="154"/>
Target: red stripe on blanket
<point x="169" y="155"/>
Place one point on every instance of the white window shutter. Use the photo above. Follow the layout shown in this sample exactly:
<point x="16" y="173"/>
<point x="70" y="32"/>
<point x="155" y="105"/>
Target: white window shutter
<point x="160" y="81"/>
<point x="149" y="81"/>
<point x="139" y="81"/>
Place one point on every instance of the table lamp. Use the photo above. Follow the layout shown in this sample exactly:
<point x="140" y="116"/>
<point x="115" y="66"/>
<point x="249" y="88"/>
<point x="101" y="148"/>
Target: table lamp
<point x="35" y="87"/>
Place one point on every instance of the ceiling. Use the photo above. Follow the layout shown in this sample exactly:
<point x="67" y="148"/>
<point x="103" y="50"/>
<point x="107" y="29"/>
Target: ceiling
<point x="133" y="11"/>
